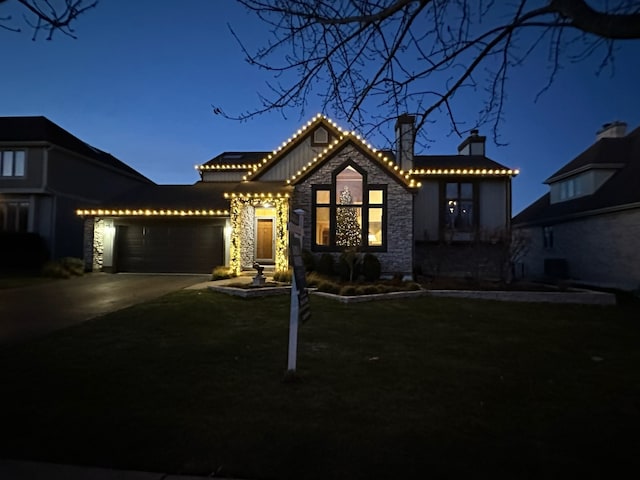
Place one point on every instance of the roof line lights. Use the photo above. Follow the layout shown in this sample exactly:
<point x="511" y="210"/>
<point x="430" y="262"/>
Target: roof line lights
<point x="390" y="164"/>
<point x="295" y="135"/>
<point x="243" y="166"/>
<point x="463" y="171"/>
<point x="256" y="195"/>
<point x="147" y="212"/>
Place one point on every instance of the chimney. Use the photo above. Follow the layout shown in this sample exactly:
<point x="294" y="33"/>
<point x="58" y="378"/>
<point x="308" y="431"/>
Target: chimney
<point x="473" y="144"/>
<point x="612" y="130"/>
<point x="405" y="138"/>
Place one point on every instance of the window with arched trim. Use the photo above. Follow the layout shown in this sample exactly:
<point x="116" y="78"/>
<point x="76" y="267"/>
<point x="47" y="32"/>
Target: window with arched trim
<point x="349" y="212"/>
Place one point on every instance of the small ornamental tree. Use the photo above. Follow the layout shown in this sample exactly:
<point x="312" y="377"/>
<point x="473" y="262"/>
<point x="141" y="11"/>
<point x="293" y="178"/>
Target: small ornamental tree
<point x="348" y="230"/>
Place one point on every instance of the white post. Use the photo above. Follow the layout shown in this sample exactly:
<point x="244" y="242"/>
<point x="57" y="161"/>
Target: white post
<point x="298" y="231"/>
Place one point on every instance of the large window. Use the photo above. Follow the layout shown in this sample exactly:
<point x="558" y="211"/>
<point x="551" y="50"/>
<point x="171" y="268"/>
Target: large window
<point x="459" y="207"/>
<point x="349" y="212"/>
<point x="12" y="163"/>
<point x="14" y="216"/>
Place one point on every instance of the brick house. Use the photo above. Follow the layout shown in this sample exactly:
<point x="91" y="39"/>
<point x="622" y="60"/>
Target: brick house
<point x="586" y="227"/>
<point x="352" y="194"/>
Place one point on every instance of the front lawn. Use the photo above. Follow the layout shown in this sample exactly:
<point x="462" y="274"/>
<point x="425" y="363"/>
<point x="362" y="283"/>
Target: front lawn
<point x="421" y="388"/>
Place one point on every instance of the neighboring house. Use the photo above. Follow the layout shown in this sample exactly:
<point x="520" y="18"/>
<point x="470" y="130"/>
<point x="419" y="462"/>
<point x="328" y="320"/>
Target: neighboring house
<point x="586" y="228"/>
<point x="46" y="174"/>
<point x="352" y="194"/>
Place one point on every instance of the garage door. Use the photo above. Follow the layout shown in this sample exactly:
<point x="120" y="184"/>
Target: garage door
<point x="169" y="247"/>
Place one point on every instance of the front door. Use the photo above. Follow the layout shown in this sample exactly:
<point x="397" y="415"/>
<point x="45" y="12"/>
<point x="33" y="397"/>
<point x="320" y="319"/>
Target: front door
<point x="264" y="241"/>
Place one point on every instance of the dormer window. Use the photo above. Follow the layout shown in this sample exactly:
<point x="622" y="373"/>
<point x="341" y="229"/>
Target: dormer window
<point x="349" y="213"/>
<point x="570" y="188"/>
<point x="12" y="163"/>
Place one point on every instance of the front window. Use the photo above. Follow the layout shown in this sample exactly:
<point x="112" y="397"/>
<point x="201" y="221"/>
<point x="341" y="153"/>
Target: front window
<point x="14" y="216"/>
<point x="12" y="163"/>
<point x="349" y="213"/>
<point x="459" y="207"/>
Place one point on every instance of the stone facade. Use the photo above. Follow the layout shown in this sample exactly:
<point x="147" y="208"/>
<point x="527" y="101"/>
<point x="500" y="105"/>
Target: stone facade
<point x="398" y="257"/>
<point x="599" y="250"/>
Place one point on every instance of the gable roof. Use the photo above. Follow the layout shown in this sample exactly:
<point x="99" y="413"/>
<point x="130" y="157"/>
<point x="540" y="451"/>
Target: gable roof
<point x="41" y="129"/>
<point x="271" y="158"/>
<point x="618" y="192"/>
<point x="605" y="153"/>
<point x="384" y="162"/>
<point x="340" y="139"/>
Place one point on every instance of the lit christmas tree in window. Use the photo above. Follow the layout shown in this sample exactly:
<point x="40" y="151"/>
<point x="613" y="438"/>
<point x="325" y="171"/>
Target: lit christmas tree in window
<point x="348" y="230"/>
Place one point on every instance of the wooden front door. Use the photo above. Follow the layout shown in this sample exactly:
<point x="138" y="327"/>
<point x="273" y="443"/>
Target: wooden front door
<point x="264" y="241"/>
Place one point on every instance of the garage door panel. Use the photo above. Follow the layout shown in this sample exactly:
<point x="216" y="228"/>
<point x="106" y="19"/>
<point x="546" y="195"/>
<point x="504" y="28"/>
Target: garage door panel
<point x="169" y="247"/>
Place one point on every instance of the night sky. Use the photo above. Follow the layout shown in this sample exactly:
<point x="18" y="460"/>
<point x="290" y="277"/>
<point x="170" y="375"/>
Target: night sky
<point x="140" y="79"/>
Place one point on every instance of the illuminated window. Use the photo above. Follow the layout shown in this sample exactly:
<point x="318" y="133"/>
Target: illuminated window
<point x="349" y="213"/>
<point x="12" y="163"/>
<point x="459" y="207"/>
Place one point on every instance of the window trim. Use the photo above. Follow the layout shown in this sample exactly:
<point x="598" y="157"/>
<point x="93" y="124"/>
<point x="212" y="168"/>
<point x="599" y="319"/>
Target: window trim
<point x="13" y="163"/>
<point x="475" y="222"/>
<point x="333" y="206"/>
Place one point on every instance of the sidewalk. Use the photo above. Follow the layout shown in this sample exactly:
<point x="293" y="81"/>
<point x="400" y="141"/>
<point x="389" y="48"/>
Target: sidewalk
<point x="22" y="470"/>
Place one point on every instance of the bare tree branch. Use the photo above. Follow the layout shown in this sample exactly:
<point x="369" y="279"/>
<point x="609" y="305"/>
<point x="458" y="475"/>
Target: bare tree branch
<point x="49" y="16"/>
<point x="371" y="60"/>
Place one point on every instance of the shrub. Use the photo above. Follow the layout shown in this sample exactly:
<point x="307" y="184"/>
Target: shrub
<point x="309" y="260"/>
<point x="328" y="286"/>
<point x="75" y="266"/>
<point x="371" y="289"/>
<point x="63" y="268"/>
<point x="348" y="290"/>
<point x="413" y="286"/>
<point x="314" y="278"/>
<point x="222" y="273"/>
<point x="325" y="264"/>
<point x="371" y="267"/>
<point x="283" y="276"/>
<point x="54" y="269"/>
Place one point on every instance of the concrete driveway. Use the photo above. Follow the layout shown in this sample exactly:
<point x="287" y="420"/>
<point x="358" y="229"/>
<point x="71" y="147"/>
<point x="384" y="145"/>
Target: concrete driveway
<point x="38" y="309"/>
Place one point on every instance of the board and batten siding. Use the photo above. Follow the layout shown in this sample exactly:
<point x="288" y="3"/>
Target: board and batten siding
<point x="293" y="162"/>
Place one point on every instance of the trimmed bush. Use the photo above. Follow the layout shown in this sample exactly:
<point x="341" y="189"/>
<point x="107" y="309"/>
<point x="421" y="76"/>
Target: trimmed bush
<point x="371" y="267"/>
<point x="325" y="264"/>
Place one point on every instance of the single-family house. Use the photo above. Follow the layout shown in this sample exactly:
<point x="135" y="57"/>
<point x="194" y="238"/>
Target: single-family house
<point x="46" y="174"/>
<point x="585" y="228"/>
<point x="398" y="207"/>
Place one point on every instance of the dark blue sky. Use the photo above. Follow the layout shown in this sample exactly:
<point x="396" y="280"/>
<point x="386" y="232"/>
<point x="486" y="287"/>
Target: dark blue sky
<point x="139" y="81"/>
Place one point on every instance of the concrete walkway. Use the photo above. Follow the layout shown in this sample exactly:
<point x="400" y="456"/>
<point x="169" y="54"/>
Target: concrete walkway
<point x="36" y="310"/>
<point x="21" y="470"/>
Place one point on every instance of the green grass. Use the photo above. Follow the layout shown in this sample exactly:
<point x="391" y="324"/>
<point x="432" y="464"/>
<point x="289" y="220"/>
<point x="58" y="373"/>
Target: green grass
<point x="422" y="388"/>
